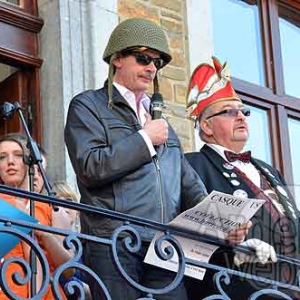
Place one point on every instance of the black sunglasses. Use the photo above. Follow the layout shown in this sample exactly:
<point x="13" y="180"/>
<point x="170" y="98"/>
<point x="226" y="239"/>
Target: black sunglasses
<point x="231" y="112"/>
<point x="145" y="60"/>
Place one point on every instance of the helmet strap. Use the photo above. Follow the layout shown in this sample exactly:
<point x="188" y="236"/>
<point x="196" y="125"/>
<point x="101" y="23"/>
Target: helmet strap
<point x="155" y="84"/>
<point x="110" y="80"/>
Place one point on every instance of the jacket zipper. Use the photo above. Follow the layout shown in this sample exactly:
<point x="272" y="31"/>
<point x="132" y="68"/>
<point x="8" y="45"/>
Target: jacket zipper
<point x="157" y="171"/>
<point x="160" y="186"/>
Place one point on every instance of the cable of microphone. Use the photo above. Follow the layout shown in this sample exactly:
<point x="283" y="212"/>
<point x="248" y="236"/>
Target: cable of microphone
<point x="156" y="106"/>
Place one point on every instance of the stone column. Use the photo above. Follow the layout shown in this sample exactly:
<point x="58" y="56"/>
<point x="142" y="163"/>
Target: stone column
<point x="72" y="42"/>
<point x="200" y="39"/>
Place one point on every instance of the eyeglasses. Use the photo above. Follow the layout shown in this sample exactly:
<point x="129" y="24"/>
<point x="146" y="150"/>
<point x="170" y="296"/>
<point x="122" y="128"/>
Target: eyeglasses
<point x="145" y="60"/>
<point x="231" y="112"/>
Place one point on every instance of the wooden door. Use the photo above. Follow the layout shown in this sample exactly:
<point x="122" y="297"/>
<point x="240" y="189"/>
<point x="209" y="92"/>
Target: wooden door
<point x="12" y="89"/>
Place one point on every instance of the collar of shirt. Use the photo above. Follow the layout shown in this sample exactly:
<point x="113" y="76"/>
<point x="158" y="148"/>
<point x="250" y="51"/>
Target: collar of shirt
<point x="219" y="149"/>
<point x="131" y="100"/>
<point x="248" y="168"/>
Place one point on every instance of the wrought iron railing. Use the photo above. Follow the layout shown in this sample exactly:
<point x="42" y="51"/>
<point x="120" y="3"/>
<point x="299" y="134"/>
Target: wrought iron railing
<point x="132" y="243"/>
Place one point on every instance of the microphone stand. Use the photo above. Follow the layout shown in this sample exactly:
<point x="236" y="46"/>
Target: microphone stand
<point x="34" y="158"/>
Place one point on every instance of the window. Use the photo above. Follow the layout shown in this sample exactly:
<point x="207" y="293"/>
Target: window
<point x="29" y="6"/>
<point x="14" y="2"/>
<point x="290" y="41"/>
<point x="260" y="40"/>
<point x="259" y="139"/>
<point x="294" y="133"/>
<point x="237" y="38"/>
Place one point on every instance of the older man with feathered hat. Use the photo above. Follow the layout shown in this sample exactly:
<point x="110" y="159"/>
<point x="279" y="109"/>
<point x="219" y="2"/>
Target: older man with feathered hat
<point x="222" y="165"/>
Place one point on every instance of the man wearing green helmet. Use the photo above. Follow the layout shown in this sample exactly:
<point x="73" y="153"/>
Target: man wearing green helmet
<point x="127" y="162"/>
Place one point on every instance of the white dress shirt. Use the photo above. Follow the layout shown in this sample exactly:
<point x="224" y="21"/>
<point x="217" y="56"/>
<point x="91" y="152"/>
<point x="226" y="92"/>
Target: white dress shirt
<point x="247" y="168"/>
<point x="144" y="108"/>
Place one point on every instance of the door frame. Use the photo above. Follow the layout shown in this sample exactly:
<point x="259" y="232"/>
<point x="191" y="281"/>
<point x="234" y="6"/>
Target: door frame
<point x="19" y="47"/>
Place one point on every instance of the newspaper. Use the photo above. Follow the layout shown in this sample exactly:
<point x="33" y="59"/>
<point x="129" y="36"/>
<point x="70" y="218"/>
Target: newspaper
<point x="216" y="215"/>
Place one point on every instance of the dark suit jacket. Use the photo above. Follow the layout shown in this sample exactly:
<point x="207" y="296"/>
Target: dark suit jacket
<point x="216" y="176"/>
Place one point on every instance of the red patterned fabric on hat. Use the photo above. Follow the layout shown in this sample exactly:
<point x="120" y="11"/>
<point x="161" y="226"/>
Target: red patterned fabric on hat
<point x="209" y="84"/>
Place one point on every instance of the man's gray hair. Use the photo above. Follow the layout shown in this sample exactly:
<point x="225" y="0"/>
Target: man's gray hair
<point x="206" y="113"/>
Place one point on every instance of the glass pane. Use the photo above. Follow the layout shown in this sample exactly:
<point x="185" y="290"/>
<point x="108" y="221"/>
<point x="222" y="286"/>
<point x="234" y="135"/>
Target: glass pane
<point x="6" y="71"/>
<point x="237" y="38"/>
<point x="14" y="2"/>
<point x="290" y="42"/>
<point x="294" y="133"/>
<point x="259" y="141"/>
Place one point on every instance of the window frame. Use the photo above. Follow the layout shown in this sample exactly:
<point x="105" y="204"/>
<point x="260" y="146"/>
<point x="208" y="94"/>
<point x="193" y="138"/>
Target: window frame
<point x="272" y="97"/>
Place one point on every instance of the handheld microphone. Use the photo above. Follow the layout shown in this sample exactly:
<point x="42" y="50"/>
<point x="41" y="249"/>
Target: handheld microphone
<point x="156" y="106"/>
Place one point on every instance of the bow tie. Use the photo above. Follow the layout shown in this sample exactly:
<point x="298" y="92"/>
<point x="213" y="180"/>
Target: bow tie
<point x="244" y="157"/>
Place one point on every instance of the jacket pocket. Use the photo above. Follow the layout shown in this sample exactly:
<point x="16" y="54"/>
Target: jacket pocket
<point x="173" y="143"/>
<point x="115" y="124"/>
<point x="118" y="130"/>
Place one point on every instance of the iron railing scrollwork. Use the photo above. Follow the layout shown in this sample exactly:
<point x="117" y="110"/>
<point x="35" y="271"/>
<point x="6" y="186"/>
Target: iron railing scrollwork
<point x="24" y="278"/>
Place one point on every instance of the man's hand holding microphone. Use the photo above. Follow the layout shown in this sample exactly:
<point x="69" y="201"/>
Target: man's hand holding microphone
<point x="155" y="126"/>
<point x="157" y="130"/>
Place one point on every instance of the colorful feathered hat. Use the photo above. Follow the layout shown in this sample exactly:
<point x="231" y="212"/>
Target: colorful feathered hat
<point x="209" y="84"/>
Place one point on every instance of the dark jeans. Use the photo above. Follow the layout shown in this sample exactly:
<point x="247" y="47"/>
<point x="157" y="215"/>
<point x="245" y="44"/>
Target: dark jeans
<point x="98" y="257"/>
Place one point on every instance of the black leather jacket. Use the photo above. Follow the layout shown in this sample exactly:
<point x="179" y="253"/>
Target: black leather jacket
<point x="115" y="170"/>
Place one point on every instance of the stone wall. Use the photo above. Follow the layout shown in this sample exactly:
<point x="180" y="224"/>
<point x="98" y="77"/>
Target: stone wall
<point x="173" y="79"/>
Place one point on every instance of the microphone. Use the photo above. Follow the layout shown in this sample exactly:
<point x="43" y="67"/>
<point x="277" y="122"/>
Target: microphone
<point x="7" y="110"/>
<point x="156" y="106"/>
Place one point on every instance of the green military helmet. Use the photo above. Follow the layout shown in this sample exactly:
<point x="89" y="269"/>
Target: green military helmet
<point x="137" y="32"/>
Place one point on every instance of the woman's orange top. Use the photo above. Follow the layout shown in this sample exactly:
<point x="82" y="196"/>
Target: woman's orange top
<point x="43" y="213"/>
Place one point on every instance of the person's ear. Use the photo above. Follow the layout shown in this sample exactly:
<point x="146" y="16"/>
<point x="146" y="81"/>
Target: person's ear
<point x="117" y="62"/>
<point x="207" y="127"/>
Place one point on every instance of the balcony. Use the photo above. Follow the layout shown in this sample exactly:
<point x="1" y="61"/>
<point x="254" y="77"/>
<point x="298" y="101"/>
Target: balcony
<point x="166" y="247"/>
